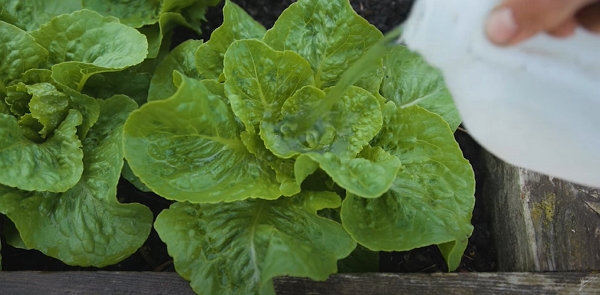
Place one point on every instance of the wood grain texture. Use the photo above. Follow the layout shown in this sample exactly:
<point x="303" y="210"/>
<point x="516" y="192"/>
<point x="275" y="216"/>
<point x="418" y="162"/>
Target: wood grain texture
<point x="121" y="283"/>
<point x="541" y="223"/>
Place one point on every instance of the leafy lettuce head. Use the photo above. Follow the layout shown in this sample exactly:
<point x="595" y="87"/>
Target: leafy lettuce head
<point x="61" y="149"/>
<point x="263" y="190"/>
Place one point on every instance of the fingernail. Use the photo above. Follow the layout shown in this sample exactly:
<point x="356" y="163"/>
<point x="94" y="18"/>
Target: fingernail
<point x="501" y="27"/>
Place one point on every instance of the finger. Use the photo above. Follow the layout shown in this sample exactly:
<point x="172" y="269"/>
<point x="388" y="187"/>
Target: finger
<point x="565" y="29"/>
<point x="589" y="17"/>
<point x="517" y="20"/>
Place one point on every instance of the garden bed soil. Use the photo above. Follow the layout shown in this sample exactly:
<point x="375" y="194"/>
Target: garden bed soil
<point x="480" y="255"/>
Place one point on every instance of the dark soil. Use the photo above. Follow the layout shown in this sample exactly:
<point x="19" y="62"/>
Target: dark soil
<point x="385" y="15"/>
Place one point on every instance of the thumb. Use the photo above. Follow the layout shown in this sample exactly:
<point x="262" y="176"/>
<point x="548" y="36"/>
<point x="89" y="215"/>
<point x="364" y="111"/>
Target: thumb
<point x="514" y="21"/>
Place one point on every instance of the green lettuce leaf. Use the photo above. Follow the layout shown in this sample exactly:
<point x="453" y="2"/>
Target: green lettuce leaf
<point x="409" y="80"/>
<point x="48" y="105"/>
<point x="85" y="225"/>
<point x="74" y="75"/>
<point x="260" y="79"/>
<point x="106" y="85"/>
<point x="177" y="5"/>
<point x="11" y="235"/>
<point x="84" y="43"/>
<point x="55" y="165"/>
<point x="369" y="175"/>
<point x="17" y="99"/>
<point x="128" y="174"/>
<point x="87" y="106"/>
<point x="31" y="128"/>
<point x="237" y="248"/>
<point x="31" y="14"/>
<point x="188" y="148"/>
<point x="330" y="35"/>
<point x="181" y="59"/>
<point x="33" y="76"/>
<point x="350" y="125"/>
<point x="20" y="52"/>
<point x="161" y="31"/>
<point x="304" y="166"/>
<point x="194" y="13"/>
<point x="132" y="13"/>
<point x="138" y="77"/>
<point x="212" y="86"/>
<point x="361" y="260"/>
<point x="237" y="25"/>
<point x="284" y="168"/>
<point x="431" y="200"/>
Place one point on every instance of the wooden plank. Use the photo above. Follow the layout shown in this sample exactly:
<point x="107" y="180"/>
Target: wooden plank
<point x="541" y="223"/>
<point x="121" y="283"/>
<point x="447" y="284"/>
<point x="96" y="283"/>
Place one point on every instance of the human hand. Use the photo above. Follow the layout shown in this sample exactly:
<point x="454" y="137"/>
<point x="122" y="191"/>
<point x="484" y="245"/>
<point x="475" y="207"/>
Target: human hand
<point x="514" y="21"/>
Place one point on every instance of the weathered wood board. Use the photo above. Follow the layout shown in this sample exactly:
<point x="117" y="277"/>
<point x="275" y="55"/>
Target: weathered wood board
<point x="541" y="223"/>
<point x="121" y="283"/>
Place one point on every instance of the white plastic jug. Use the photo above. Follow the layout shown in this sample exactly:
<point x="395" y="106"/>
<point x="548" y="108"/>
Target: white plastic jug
<point x="535" y="105"/>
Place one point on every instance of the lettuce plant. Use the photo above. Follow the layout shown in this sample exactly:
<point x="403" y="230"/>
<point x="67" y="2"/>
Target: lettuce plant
<point x="68" y="74"/>
<point x="262" y="189"/>
<point x="61" y="151"/>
